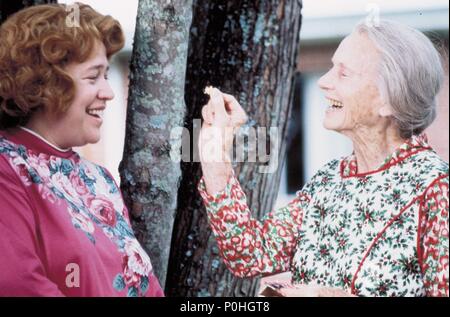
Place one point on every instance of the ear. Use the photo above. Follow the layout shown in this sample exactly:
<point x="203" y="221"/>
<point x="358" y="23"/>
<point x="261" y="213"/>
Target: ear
<point x="385" y="111"/>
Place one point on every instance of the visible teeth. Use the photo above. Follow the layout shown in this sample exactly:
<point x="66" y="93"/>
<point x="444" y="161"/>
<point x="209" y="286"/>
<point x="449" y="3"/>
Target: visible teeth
<point x="95" y="112"/>
<point x="335" y="103"/>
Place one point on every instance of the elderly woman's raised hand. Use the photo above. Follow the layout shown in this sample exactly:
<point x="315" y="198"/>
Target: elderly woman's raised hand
<point x="223" y="110"/>
<point x="222" y="116"/>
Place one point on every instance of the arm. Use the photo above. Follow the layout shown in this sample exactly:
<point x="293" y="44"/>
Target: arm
<point x="250" y="247"/>
<point x="433" y="238"/>
<point x="22" y="270"/>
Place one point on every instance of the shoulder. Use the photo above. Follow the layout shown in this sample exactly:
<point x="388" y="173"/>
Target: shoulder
<point x="8" y="175"/>
<point x="429" y="161"/>
<point x="16" y="206"/>
<point x="428" y="170"/>
<point x="332" y="166"/>
<point x="6" y="146"/>
<point x="99" y="171"/>
<point x="9" y="179"/>
<point x="326" y="176"/>
<point x="438" y="188"/>
<point x="330" y="170"/>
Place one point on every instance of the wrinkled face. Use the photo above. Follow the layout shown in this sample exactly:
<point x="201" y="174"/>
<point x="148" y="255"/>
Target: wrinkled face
<point x="83" y="119"/>
<point x="351" y="86"/>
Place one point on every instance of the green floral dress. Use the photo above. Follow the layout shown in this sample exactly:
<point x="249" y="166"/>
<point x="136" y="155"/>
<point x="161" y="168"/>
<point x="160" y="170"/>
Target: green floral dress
<point x="381" y="233"/>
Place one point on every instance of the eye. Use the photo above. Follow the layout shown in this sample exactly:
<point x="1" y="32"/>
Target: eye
<point x="93" y="78"/>
<point x="343" y="74"/>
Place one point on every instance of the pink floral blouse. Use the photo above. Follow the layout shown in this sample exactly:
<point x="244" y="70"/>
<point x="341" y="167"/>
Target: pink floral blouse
<point x="381" y="233"/>
<point x="64" y="227"/>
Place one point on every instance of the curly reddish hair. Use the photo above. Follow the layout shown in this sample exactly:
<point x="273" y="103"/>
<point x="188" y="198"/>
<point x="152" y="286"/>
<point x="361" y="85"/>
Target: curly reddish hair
<point x="37" y="43"/>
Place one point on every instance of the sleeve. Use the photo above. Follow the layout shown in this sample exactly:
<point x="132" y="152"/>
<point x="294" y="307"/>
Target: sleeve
<point x="22" y="270"/>
<point x="250" y="247"/>
<point x="433" y="244"/>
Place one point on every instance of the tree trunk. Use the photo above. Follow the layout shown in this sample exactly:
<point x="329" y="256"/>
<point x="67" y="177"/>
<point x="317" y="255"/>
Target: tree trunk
<point x="247" y="48"/>
<point x="8" y="7"/>
<point x="149" y="178"/>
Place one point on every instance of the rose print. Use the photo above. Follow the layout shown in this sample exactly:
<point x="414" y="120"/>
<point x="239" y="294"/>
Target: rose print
<point x="90" y="194"/>
<point x="103" y="209"/>
<point x="78" y="184"/>
<point x="85" y="224"/>
<point x="136" y="269"/>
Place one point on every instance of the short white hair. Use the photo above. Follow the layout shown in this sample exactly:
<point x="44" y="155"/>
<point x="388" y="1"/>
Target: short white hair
<point x="411" y="74"/>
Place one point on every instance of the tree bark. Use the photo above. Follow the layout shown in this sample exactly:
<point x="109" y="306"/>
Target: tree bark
<point x="8" y="7"/>
<point x="149" y="178"/>
<point x="247" y="48"/>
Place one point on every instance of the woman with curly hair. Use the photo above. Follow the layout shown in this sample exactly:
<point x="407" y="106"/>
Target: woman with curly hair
<point x="64" y="228"/>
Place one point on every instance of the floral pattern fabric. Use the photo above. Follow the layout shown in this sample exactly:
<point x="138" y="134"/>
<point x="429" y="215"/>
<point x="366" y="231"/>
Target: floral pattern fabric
<point x="381" y="233"/>
<point x="74" y="190"/>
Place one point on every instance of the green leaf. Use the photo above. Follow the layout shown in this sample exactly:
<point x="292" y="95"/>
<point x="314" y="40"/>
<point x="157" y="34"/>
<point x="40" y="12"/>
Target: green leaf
<point x="119" y="283"/>
<point x="144" y="284"/>
<point x="132" y="292"/>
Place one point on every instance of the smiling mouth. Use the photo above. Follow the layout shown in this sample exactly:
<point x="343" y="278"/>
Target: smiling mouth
<point x="96" y="113"/>
<point x="335" y="104"/>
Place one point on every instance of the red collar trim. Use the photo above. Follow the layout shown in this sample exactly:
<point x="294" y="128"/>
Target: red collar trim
<point x="414" y="145"/>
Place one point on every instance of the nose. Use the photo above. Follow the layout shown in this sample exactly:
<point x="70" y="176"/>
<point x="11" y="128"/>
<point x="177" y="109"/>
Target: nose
<point x="325" y="82"/>
<point x="106" y="93"/>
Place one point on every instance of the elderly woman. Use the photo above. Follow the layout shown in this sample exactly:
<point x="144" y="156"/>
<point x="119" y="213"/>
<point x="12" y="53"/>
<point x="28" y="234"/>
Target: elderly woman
<point x="64" y="228"/>
<point x="374" y="223"/>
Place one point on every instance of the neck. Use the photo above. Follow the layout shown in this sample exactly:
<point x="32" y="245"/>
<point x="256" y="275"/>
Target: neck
<point x="373" y="146"/>
<point x="42" y="131"/>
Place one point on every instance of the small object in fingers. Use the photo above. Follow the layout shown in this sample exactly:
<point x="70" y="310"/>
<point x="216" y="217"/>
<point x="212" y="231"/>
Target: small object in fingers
<point x="208" y="90"/>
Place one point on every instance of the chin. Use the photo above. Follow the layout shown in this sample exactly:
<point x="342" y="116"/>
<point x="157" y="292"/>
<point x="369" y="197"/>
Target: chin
<point x="93" y="139"/>
<point x="331" y="126"/>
